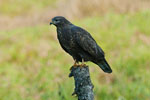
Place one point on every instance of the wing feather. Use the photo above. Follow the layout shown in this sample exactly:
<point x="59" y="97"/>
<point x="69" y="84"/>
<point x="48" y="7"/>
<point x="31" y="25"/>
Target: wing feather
<point x="87" y="43"/>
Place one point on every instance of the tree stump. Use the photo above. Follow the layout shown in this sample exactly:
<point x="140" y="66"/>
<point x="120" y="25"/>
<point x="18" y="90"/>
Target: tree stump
<point x="83" y="85"/>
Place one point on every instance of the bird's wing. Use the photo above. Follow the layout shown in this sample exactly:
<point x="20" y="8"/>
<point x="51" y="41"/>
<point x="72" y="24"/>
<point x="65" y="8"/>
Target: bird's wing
<point x="87" y="43"/>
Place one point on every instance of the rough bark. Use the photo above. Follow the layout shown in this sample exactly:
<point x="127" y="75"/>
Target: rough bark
<point x="83" y="85"/>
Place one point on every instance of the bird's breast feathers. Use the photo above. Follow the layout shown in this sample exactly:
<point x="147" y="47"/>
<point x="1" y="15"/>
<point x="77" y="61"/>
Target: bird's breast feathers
<point x="66" y="37"/>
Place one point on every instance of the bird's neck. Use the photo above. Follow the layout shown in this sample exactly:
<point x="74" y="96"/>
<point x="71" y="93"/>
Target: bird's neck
<point x="63" y="26"/>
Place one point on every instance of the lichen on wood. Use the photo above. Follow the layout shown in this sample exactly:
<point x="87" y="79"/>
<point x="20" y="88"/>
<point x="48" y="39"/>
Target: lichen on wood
<point x="83" y="85"/>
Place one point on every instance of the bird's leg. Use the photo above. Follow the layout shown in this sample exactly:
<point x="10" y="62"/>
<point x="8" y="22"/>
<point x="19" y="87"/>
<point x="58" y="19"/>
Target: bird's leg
<point x="75" y="64"/>
<point x="82" y="65"/>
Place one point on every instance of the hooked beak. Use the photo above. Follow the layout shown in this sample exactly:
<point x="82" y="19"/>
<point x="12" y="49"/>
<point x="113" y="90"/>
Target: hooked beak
<point x="51" y="23"/>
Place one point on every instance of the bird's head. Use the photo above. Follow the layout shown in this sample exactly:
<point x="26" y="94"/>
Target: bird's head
<point x="59" y="21"/>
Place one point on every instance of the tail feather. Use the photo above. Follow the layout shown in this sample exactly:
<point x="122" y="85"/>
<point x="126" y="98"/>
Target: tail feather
<point x="104" y="66"/>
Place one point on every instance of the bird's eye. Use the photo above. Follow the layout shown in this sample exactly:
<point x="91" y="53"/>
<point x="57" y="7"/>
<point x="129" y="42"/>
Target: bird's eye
<point x="56" y="20"/>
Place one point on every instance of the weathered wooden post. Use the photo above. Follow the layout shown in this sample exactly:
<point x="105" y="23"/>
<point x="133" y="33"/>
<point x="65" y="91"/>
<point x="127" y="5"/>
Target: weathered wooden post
<point x="83" y="85"/>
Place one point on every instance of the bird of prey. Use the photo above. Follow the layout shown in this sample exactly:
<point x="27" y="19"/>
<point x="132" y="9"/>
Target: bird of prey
<point x="79" y="43"/>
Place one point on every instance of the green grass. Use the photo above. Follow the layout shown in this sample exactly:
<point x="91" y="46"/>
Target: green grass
<point x="24" y="7"/>
<point x="34" y="67"/>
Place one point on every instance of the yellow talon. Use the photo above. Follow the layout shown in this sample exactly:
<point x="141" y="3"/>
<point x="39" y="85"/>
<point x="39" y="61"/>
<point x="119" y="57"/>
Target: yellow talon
<point x="75" y="64"/>
<point x="82" y="65"/>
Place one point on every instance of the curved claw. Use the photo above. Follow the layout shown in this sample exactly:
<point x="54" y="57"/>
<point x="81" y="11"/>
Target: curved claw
<point x="75" y="64"/>
<point x="83" y="63"/>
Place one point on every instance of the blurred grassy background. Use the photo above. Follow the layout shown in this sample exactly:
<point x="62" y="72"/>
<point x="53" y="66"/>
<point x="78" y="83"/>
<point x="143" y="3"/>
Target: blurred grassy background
<point x="34" y="67"/>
